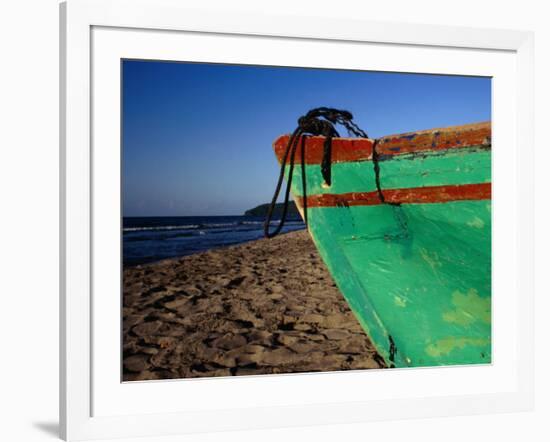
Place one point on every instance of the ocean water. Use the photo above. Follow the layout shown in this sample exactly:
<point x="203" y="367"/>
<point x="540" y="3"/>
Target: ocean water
<point x="149" y="239"/>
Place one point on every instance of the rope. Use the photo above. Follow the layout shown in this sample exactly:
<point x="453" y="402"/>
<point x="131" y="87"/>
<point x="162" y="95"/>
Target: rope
<point x="318" y="121"/>
<point x="376" y="165"/>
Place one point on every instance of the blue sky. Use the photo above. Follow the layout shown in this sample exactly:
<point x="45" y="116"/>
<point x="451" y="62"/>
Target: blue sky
<point x="197" y="137"/>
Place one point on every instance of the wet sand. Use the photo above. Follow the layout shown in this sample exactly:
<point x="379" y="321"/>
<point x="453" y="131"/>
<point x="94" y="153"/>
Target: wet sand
<point x="267" y="306"/>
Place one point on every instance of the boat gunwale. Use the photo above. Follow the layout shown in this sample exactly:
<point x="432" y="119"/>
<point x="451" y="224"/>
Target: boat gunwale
<point x="419" y="142"/>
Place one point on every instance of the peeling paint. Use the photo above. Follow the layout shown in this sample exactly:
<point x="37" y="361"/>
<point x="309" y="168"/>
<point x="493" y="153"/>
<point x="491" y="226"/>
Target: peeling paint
<point x="447" y="345"/>
<point x="431" y="258"/>
<point x="400" y="302"/>
<point x="476" y="222"/>
<point x="470" y="307"/>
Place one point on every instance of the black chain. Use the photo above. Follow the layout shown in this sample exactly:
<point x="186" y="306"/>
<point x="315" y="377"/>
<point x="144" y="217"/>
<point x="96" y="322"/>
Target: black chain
<point x="318" y="121"/>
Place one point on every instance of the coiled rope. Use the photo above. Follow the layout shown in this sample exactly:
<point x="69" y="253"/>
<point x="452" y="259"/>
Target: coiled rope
<point x="319" y="121"/>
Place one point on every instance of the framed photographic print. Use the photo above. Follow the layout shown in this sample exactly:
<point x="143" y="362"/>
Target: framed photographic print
<point x="324" y="219"/>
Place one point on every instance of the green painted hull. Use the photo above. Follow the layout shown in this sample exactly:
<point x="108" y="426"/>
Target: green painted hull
<point x="417" y="275"/>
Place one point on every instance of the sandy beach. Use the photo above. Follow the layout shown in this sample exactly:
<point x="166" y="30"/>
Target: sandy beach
<point x="266" y="306"/>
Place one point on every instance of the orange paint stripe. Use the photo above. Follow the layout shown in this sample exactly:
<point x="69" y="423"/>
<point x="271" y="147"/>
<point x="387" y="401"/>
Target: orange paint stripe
<point x="360" y="149"/>
<point x="478" y="134"/>
<point x="417" y="195"/>
<point x="343" y="149"/>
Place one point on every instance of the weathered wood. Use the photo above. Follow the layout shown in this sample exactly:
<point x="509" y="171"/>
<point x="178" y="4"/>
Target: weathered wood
<point x="360" y="149"/>
<point x="416" y="275"/>
<point x="419" y="195"/>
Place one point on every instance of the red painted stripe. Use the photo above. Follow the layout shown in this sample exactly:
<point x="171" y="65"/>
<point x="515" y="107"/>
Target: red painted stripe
<point x="436" y="139"/>
<point x="416" y="195"/>
<point x="343" y="149"/>
<point x="360" y="149"/>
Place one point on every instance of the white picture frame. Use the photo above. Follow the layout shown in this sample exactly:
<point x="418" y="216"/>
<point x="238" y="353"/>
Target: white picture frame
<point x="96" y="33"/>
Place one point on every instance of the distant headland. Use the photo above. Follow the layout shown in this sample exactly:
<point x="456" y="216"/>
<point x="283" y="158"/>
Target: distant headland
<point x="262" y="209"/>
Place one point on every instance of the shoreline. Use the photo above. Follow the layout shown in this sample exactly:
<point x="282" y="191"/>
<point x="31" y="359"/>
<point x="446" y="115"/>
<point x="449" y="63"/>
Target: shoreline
<point x="152" y="239"/>
<point x="177" y="258"/>
<point x="258" y="307"/>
